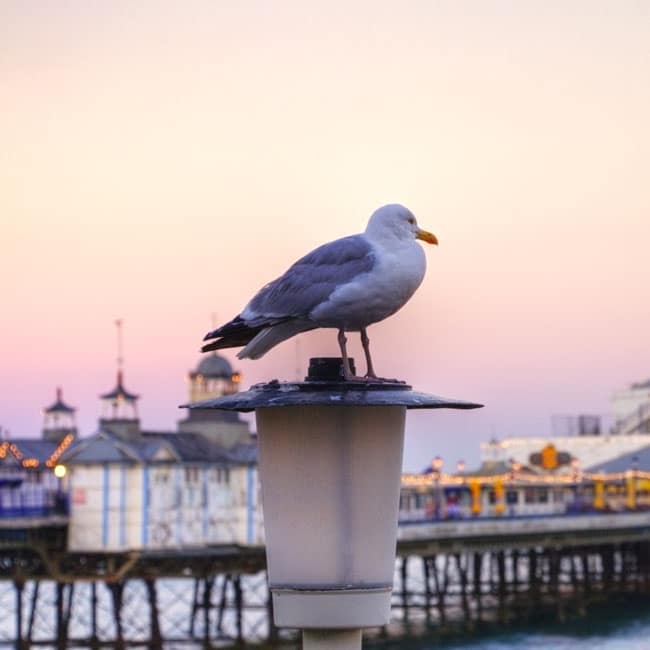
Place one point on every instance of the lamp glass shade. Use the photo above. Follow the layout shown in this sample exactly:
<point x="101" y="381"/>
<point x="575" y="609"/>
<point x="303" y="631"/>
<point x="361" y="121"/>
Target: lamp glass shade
<point x="330" y="479"/>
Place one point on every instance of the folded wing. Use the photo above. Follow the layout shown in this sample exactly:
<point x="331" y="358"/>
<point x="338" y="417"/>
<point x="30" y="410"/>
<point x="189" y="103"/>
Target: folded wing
<point x="282" y="308"/>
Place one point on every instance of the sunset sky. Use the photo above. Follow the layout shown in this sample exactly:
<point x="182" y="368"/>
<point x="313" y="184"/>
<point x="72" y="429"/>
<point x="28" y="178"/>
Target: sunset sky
<point x="161" y="161"/>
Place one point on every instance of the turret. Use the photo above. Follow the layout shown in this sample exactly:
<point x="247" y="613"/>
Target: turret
<point x="120" y="411"/>
<point x="59" y="419"/>
<point x="119" y="406"/>
<point x="214" y="377"/>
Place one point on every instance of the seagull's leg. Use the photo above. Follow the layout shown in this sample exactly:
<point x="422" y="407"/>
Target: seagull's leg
<point x="347" y="373"/>
<point x="370" y="374"/>
<point x="365" y="342"/>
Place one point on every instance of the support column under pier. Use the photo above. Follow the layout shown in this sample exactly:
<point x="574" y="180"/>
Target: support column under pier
<point x="477" y="577"/>
<point x="155" y="637"/>
<point x="18" y="587"/>
<point x="404" y="587"/>
<point x="208" y="583"/>
<point x="32" y="613"/>
<point x="117" y="592"/>
<point x="94" y="639"/>
<point x="239" y="608"/>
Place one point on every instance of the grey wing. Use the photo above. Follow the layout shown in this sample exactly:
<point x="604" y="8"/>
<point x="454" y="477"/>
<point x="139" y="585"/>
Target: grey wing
<point x="311" y="280"/>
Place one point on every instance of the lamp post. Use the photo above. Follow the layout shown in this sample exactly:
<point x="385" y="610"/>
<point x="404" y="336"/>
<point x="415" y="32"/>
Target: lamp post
<point x="330" y="456"/>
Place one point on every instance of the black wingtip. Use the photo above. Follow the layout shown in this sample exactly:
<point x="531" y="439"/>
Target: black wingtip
<point x="210" y="335"/>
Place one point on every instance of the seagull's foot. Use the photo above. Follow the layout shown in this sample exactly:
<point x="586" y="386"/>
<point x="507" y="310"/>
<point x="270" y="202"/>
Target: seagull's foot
<point x="371" y="379"/>
<point x="357" y="379"/>
<point x="382" y="380"/>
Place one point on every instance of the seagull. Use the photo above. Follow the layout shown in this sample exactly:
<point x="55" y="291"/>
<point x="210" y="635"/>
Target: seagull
<point x="347" y="284"/>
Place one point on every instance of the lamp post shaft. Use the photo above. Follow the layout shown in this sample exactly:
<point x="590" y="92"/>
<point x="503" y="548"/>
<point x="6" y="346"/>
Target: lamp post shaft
<point x="331" y="640"/>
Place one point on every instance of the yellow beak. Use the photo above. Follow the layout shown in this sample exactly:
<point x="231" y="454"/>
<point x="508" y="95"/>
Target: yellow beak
<point x="428" y="237"/>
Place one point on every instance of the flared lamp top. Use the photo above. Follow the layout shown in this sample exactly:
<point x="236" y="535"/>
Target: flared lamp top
<point x="324" y="386"/>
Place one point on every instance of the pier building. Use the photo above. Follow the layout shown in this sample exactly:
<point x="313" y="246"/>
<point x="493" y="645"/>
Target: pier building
<point x="30" y="483"/>
<point x="585" y="439"/>
<point x="126" y="487"/>
<point x="132" y="488"/>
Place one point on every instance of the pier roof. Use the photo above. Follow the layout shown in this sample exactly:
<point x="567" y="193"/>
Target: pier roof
<point x="638" y="459"/>
<point x="97" y="450"/>
<point x="244" y="453"/>
<point x="152" y="446"/>
<point x="191" y="447"/>
<point x="488" y="468"/>
<point x="36" y="448"/>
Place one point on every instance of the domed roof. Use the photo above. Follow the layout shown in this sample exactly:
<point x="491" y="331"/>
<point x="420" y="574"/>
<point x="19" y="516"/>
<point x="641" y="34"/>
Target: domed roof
<point x="214" y="367"/>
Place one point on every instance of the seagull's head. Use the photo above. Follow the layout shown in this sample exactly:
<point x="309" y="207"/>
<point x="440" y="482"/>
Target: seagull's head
<point x="396" y="221"/>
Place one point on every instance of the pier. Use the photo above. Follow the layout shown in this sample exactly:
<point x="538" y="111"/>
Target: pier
<point x="460" y="572"/>
<point x="131" y="538"/>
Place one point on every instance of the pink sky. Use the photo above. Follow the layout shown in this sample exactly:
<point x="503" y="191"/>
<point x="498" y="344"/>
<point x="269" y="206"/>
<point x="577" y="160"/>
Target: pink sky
<point x="161" y="163"/>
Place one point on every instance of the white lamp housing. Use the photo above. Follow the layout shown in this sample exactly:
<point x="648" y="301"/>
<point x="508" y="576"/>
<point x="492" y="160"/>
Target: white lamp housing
<point x="330" y="460"/>
<point x="330" y="480"/>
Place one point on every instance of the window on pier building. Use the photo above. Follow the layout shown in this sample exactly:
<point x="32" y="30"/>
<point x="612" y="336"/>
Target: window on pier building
<point x="536" y="495"/>
<point x="408" y="502"/>
<point x="191" y="496"/>
<point x="220" y="475"/>
<point x="191" y="474"/>
<point x="512" y="497"/>
<point x="161" y="477"/>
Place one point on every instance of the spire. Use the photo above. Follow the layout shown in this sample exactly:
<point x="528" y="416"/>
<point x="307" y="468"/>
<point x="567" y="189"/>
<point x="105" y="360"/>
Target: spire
<point x="120" y="409"/>
<point x="120" y="358"/>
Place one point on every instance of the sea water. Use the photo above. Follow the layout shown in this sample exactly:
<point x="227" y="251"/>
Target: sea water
<point x="621" y="626"/>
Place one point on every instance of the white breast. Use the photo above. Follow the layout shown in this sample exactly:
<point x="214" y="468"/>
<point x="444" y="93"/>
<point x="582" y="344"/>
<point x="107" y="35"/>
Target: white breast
<point x="375" y="295"/>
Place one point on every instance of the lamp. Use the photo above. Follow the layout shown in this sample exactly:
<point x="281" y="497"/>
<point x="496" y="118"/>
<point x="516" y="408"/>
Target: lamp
<point x="330" y="457"/>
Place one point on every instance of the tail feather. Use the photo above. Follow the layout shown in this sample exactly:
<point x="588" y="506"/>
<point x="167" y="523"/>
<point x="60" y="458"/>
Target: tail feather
<point x="236" y="326"/>
<point x="239" y="332"/>
<point x="220" y="344"/>
<point x="269" y="337"/>
<point x="231" y="335"/>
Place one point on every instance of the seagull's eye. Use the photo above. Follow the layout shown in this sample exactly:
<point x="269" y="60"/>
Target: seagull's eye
<point x="411" y="220"/>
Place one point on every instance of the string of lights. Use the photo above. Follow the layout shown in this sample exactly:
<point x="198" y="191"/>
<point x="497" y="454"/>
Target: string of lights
<point x="32" y="463"/>
<point x="450" y="480"/>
